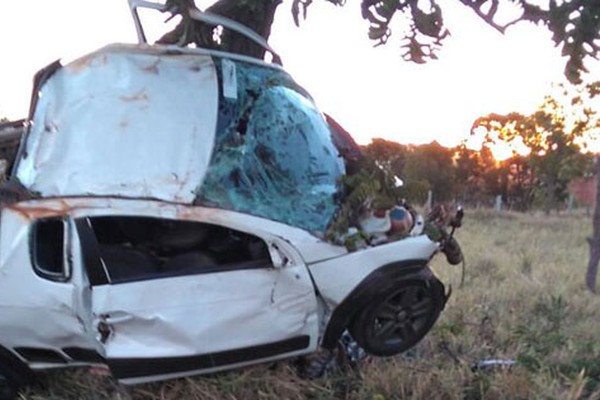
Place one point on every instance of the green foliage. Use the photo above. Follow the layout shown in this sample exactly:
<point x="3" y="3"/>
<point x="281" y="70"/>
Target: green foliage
<point x="372" y="187"/>
<point x="480" y="177"/>
<point x="575" y="25"/>
<point x="432" y="163"/>
<point x="526" y="265"/>
<point x="590" y="364"/>
<point x="390" y="154"/>
<point x="415" y="192"/>
<point x="422" y="168"/>
<point x="555" y="135"/>
<point x="542" y="334"/>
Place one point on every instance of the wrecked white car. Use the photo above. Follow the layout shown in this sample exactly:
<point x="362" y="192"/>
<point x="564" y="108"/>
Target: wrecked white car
<point x="166" y="216"/>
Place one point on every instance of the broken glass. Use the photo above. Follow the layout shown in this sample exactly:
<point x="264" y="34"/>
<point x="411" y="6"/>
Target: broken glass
<point x="273" y="154"/>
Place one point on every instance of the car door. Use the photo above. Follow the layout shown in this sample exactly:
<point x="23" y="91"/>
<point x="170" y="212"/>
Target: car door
<point x="40" y="311"/>
<point x="191" y="315"/>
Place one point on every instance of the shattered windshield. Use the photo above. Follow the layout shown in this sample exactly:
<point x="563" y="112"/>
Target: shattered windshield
<point x="273" y="154"/>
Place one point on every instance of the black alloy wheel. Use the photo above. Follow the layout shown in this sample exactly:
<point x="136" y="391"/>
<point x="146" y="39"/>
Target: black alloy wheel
<point x="400" y="316"/>
<point x="7" y="389"/>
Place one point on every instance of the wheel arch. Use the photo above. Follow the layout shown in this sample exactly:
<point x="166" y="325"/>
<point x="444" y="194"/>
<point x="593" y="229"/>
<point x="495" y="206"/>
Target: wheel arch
<point x="362" y="294"/>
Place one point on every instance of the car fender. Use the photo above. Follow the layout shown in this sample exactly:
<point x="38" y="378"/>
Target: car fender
<point x="336" y="277"/>
<point x="376" y="282"/>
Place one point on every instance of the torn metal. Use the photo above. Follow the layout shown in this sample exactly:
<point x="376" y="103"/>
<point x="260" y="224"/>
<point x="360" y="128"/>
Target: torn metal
<point x="113" y="124"/>
<point x="144" y="123"/>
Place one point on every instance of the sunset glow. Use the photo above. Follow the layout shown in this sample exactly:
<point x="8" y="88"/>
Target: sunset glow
<point x="500" y="150"/>
<point x="503" y="151"/>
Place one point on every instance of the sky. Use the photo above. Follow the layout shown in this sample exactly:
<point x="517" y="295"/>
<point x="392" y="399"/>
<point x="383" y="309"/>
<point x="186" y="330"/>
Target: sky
<point x="371" y="91"/>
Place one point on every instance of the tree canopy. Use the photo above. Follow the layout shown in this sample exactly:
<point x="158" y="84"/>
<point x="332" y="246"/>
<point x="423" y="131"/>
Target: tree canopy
<point x="575" y="24"/>
<point x="555" y="135"/>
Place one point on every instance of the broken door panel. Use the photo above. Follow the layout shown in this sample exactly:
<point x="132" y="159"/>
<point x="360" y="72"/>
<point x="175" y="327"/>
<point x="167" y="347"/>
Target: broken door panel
<point x="225" y="304"/>
<point x="40" y="293"/>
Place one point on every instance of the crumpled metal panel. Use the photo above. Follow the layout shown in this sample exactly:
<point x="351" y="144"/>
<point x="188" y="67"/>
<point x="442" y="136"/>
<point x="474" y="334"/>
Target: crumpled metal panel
<point x="274" y="156"/>
<point x="311" y="248"/>
<point x="336" y="278"/>
<point x="34" y="312"/>
<point x="203" y="314"/>
<point x="124" y="122"/>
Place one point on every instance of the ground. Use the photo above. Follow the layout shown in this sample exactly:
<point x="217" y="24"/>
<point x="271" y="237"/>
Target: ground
<point x="522" y="300"/>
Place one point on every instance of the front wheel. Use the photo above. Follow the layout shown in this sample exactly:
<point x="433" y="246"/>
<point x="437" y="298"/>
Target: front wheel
<point x="7" y="390"/>
<point x="401" y="315"/>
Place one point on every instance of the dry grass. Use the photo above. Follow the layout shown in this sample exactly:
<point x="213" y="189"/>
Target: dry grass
<point x="523" y="299"/>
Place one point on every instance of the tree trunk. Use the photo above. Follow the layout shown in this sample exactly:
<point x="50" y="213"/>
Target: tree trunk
<point x="257" y="15"/>
<point x="592" y="271"/>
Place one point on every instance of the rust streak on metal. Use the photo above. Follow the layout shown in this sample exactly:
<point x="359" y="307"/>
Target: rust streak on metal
<point x="37" y="212"/>
<point x="207" y="215"/>
<point x="81" y="64"/>
<point x="140" y="96"/>
<point x="152" y="68"/>
<point x="56" y="208"/>
<point x="189" y="213"/>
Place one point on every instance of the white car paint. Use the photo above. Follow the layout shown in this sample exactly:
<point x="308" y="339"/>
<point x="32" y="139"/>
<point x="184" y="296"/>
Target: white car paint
<point x="336" y="278"/>
<point x="113" y="123"/>
<point x="166" y="317"/>
<point x="35" y="312"/>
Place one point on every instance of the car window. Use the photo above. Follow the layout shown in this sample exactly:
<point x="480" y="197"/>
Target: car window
<point x="273" y="156"/>
<point x="139" y="248"/>
<point x="48" y="249"/>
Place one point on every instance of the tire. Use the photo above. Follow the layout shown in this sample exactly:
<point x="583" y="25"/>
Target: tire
<point x="401" y="315"/>
<point x="8" y="390"/>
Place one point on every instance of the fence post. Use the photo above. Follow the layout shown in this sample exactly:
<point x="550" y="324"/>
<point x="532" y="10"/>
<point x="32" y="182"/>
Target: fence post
<point x="498" y="203"/>
<point x="570" y="203"/>
<point x="429" y="203"/>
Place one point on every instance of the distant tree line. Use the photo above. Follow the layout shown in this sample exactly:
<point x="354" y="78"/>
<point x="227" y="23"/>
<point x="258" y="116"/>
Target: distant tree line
<point x="475" y="178"/>
<point x="556" y="138"/>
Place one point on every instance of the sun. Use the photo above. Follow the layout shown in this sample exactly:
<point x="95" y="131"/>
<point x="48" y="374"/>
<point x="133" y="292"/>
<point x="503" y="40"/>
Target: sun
<point x="501" y="150"/>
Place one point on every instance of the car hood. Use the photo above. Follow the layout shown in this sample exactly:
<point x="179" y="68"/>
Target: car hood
<point x="123" y="122"/>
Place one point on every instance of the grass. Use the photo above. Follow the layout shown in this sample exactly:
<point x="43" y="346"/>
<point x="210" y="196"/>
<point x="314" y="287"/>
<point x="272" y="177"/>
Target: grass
<point x="522" y="299"/>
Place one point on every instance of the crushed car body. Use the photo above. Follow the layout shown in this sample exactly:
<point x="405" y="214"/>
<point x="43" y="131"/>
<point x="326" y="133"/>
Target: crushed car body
<point x="167" y="215"/>
<point x="160" y="128"/>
